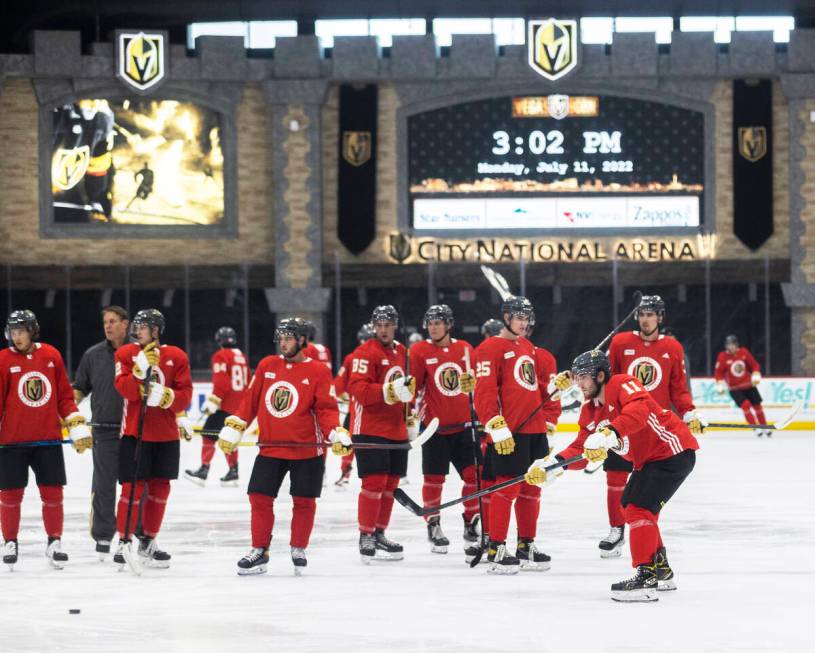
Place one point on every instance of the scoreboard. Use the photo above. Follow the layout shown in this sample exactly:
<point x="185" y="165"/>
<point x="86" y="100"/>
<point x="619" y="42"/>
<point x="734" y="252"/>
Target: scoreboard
<point x="556" y="163"/>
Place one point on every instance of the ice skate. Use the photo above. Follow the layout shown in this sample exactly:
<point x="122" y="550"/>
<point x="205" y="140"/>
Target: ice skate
<point x="298" y="558"/>
<point x="151" y="556"/>
<point x="367" y="548"/>
<point x="345" y="476"/>
<point x="665" y="575"/>
<point x="611" y="546"/>
<point x="387" y="549"/>
<point x="435" y="536"/>
<point x="54" y="553"/>
<point x="230" y="479"/>
<point x="500" y="560"/>
<point x="102" y="549"/>
<point x="529" y="557"/>
<point x="197" y="476"/>
<point x="254" y="562"/>
<point x="641" y="588"/>
<point x="471" y="531"/>
<point x="10" y="554"/>
<point x="473" y="551"/>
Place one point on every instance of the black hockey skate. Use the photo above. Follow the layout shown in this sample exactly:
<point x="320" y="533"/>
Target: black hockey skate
<point x="435" y="535"/>
<point x="611" y="545"/>
<point x="102" y="549"/>
<point x="54" y="553"/>
<point x="665" y="575"/>
<point x="254" y="562"/>
<point x="151" y="556"/>
<point x="197" y="476"/>
<point x="387" y="549"/>
<point x="230" y="479"/>
<point x="345" y="475"/>
<point x="529" y="557"/>
<point x="642" y="587"/>
<point x="10" y="554"/>
<point x="471" y="532"/>
<point x="367" y="548"/>
<point x="501" y="562"/>
<point x="298" y="558"/>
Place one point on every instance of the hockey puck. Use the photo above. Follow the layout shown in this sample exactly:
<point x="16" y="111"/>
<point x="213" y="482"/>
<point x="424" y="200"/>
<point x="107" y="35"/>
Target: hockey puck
<point x="74" y="611"/>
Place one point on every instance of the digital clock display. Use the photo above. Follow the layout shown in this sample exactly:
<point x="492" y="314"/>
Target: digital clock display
<point x="627" y="164"/>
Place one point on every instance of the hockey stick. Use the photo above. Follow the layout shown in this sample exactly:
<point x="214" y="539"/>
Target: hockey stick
<point x="404" y="500"/>
<point x="476" y="451"/>
<point x="779" y="425"/>
<point x="593" y="469"/>
<point x="497" y="281"/>
<point x="423" y="437"/>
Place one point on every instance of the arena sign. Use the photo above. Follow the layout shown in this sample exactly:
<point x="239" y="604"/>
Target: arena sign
<point x="552" y="47"/>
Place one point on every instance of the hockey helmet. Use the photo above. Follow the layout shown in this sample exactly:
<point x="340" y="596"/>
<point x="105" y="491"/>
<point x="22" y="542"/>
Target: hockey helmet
<point x="592" y="362"/>
<point x="438" y="312"/>
<point x="22" y="319"/>
<point x="291" y="326"/>
<point x="151" y="317"/>
<point x="311" y="330"/>
<point x="653" y="303"/>
<point x="226" y="337"/>
<point x="731" y="340"/>
<point x="365" y="333"/>
<point x="491" y="327"/>
<point x="384" y="313"/>
<point x="518" y="306"/>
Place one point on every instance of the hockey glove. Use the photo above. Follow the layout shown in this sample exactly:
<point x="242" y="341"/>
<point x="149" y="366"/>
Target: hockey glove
<point x="537" y="475"/>
<point x="399" y="390"/>
<point x="721" y="387"/>
<point x="596" y="446"/>
<point x="211" y="405"/>
<point x="560" y="383"/>
<point x="231" y="433"/>
<point x="696" y="424"/>
<point x="147" y="357"/>
<point x="551" y="429"/>
<point x="412" y="427"/>
<point x="466" y="382"/>
<point x="341" y="441"/>
<point x="755" y="378"/>
<point x="160" y="395"/>
<point x="185" y="428"/>
<point x="501" y="435"/>
<point x="79" y="432"/>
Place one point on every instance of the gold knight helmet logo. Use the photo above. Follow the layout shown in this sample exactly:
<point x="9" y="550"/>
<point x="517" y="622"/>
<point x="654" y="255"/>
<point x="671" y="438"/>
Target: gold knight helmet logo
<point x="356" y="147"/>
<point x="552" y="46"/>
<point x="68" y="167"/>
<point x="752" y="143"/>
<point x="645" y="373"/>
<point x="449" y="379"/>
<point x="141" y="59"/>
<point x="400" y="247"/>
<point x="281" y="399"/>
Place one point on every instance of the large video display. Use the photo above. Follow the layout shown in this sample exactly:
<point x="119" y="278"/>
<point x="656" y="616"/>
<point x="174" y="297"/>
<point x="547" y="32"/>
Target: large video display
<point x="556" y="162"/>
<point x="137" y="162"/>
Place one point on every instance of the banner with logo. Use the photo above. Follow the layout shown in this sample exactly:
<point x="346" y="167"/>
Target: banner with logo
<point x="356" y="190"/>
<point x="752" y="161"/>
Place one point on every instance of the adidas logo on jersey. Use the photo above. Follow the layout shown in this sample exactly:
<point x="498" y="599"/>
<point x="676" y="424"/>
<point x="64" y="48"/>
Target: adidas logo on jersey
<point x="665" y="355"/>
<point x="305" y="382"/>
<point x="50" y="363"/>
<point x="170" y="363"/>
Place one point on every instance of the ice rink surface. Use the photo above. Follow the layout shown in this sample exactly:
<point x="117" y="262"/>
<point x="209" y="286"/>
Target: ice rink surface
<point x="740" y="535"/>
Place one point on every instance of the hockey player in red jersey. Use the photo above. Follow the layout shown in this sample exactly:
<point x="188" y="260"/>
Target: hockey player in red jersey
<point x="169" y="394"/>
<point x="230" y="376"/>
<point x="442" y="368"/>
<point x="290" y="395"/>
<point x="380" y="391"/>
<point x="506" y="395"/>
<point x="365" y="333"/>
<point x="314" y="349"/>
<point x="658" y="362"/>
<point x="738" y="371"/>
<point x="621" y="415"/>
<point x="35" y="396"/>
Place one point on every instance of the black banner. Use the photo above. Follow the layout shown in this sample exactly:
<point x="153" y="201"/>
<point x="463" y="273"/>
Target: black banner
<point x="752" y="161"/>
<point x="356" y="192"/>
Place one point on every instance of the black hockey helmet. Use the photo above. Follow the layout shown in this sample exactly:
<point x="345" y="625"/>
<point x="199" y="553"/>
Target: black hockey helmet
<point x="438" y="312"/>
<point x="491" y="327"/>
<point x="384" y="313"/>
<point x="151" y="317"/>
<point x="22" y="319"/>
<point x="731" y="340"/>
<point x="517" y="305"/>
<point x="592" y="362"/>
<point x="291" y="326"/>
<point x="365" y="333"/>
<point x="226" y="337"/>
<point x="311" y="330"/>
<point x="653" y="303"/>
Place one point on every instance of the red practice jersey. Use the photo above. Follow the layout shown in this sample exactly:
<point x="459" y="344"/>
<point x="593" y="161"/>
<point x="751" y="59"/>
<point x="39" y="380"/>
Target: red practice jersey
<point x="34" y="394"/>
<point x="735" y="369"/>
<point x="659" y="365"/>
<point x="293" y="403"/>
<point x="647" y="431"/>
<point x="546" y="366"/>
<point x="319" y="353"/>
<point x="507" y="383"/>
<point x="230" y="376"/>
<point x="173" y="372"/>
<point x="372" y="366"/>
<point x="437" y="370"/>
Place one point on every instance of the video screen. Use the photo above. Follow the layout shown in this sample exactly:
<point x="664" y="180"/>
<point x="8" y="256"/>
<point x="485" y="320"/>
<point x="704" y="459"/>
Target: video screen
<point x="137" y="162"/>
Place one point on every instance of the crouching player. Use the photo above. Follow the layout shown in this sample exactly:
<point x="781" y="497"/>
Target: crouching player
<point x="290" y="395"/>
<point x="620" y="414"/>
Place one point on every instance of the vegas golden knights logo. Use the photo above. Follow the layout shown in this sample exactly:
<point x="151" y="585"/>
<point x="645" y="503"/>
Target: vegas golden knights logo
<point x="644" y="373"/>
<point x="34" y="389"/>
<point x="528" y="372"/>
<point x="552" y="46"/>
<point x="141" y="59"/>
<point x="281" y="399"/>
<point x="449" y="379"/>
<point x="68" y="167"/>
<point x="356" y="147"/>
<point x="752" y="143"/>
<point x="400" y="247"/>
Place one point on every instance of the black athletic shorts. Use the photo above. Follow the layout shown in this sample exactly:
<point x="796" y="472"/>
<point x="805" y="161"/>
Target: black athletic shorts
<point x="214" y="424"/>
<point x="750" y="394"/>
<point x="305" y="476"/>
<point x="441" y="450"/>
<point x="652" y="486"/>
<point x="47" y="463"/>
<point x="528" y="447"/>
<point x="156" y="459"/>
<point x="379" y="461"/>
<point x="616" y="463"/>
